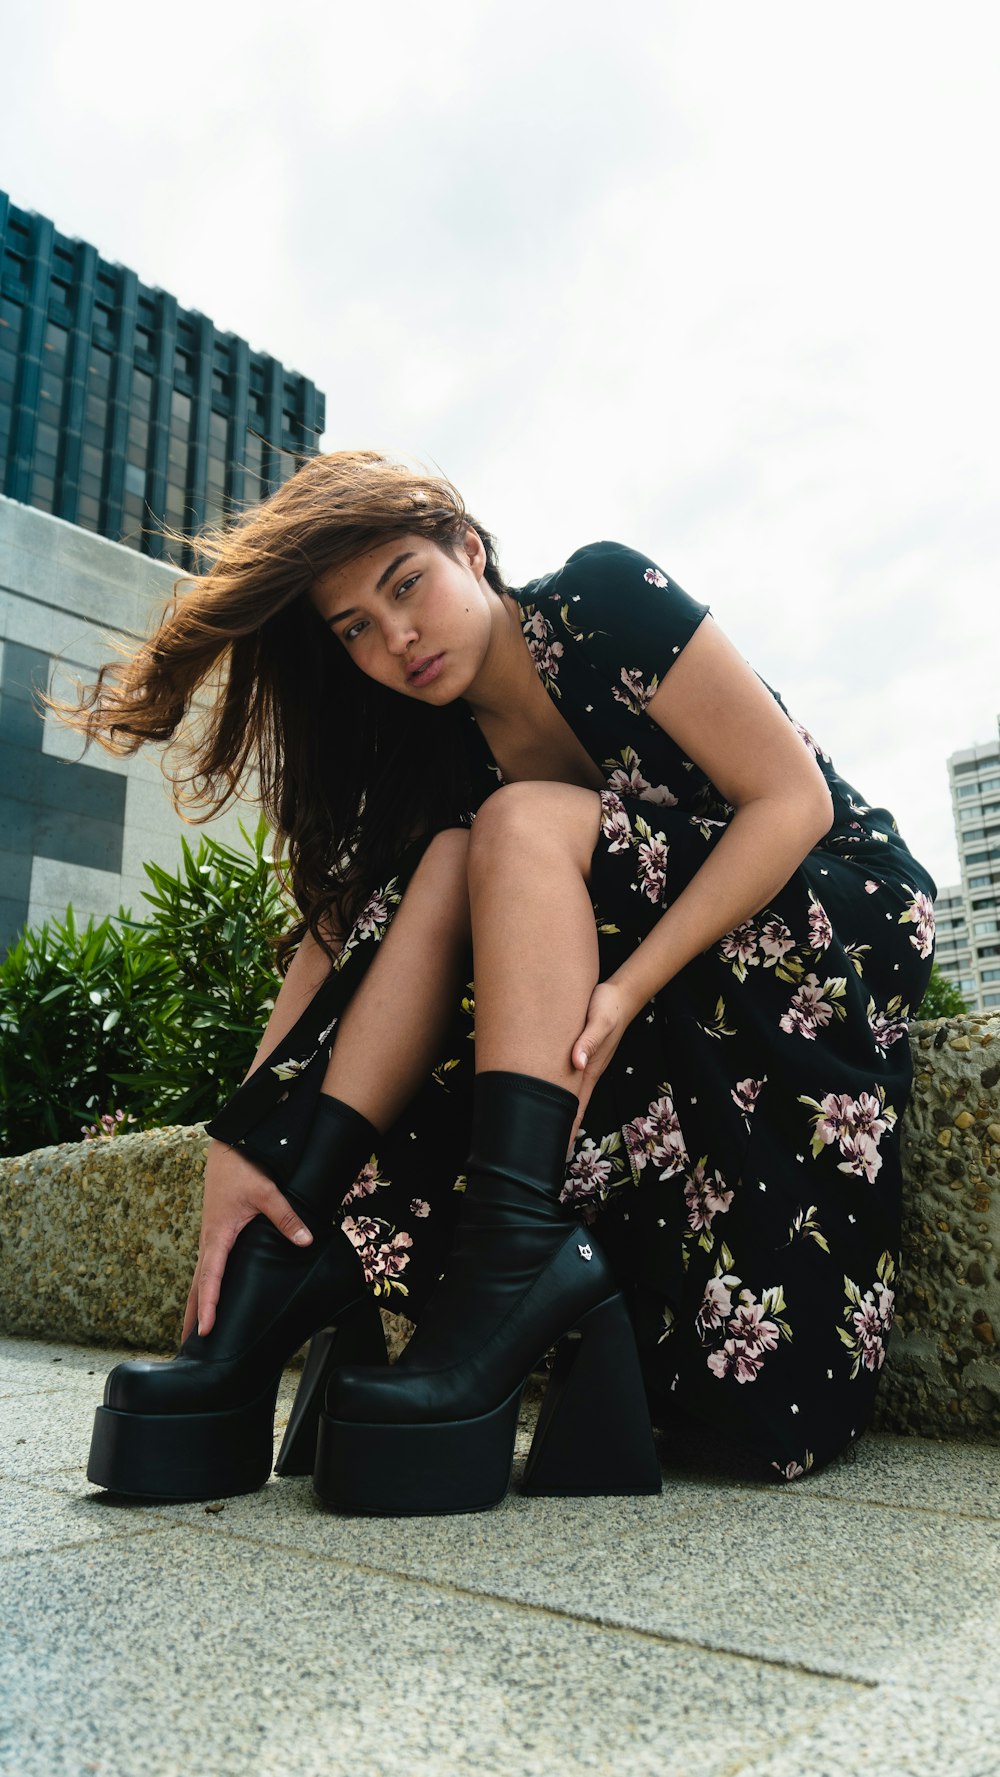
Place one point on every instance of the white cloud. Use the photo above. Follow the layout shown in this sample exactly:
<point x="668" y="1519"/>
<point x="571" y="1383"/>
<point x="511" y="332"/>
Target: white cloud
<point x="716" y="280"/>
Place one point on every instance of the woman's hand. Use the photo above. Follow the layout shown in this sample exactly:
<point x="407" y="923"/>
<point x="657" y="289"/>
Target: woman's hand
<point x="608" y="1016"/>
<point x="235" y="1191"/>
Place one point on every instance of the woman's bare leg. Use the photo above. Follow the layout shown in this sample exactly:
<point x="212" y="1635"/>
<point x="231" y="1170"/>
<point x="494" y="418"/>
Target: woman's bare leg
<point x="535" y="951"/>
<point x="390" y="1035"/>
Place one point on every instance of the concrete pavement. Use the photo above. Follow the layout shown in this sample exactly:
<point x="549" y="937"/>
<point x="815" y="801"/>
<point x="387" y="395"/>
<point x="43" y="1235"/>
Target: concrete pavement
<point x="729" y="1628"/>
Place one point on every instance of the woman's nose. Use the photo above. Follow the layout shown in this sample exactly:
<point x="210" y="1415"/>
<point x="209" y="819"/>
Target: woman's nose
<point x="399" y="637"/>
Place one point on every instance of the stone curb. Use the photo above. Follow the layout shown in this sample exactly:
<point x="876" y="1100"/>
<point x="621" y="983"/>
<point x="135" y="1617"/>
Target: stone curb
<point x="99" y="1239"/>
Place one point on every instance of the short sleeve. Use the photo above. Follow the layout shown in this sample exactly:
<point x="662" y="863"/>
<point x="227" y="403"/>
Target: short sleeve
<point x="631" y="620"/>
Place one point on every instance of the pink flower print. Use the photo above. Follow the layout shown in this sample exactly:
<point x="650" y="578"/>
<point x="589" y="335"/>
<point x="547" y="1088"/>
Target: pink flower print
<point x="369" y="1263"/>
<point x="703" y="1198"/>
<point x="871" y="888"/>
<point x="837" y="1118"/>
<point x="545" y="652"/>
<point x="373" y="915"/>
<point x="636" y="1143"/>
<point x="868" y="1332"/>
<point x="740" y="945"/>
<point x="734" y="1357"/>
<point x="657" y="1137"/>
<point x="632" y="783"/>
<point x="856" y="1125"/>
<point x="653" y="866"/>
<point x="746" y="1093"/>
<point x="750" y="1325"/>
<point x="716" y="1305"/>
<point x="813" y="745"/>
<point x="820" y="929"/>
<point x="775" y="941"/>
<point x="886" y="1027"/>
<point x="660" y="794"/>
<point x="359" y="1232"/>
<point x="366" y="1182"/>
<point x="862" y="1156"/>
<point x="792" y="1471"/>
<point x="394" y="1254"/>
<point x="615" y="824"/>
<point x="419" y="1207"/>
<point x="637" y="693"/>
<point x="655" y="578"/>
<point x="886" y="1304"/>
<point x="587" y="1174"/>
<point x="920" y="914"/>
<point x="809" y="1011"/>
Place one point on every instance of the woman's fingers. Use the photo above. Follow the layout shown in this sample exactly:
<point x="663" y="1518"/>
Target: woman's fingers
<point x="217" y="1240"/>
<point x="191" y="1309"/>
<point x="278" y="1210"/>
<point x="211" y="1266"/>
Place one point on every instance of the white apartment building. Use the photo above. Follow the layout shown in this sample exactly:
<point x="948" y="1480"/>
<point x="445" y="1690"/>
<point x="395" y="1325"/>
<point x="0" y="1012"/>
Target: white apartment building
<point x="968" y="915"/>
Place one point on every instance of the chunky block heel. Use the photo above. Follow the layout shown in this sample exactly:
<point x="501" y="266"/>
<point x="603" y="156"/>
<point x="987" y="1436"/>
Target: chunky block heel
<point x="435" y="1432"/>
<point x="357" y="1338"/>
<point x="184" y="1455"/>
<point x="410" y="1470"/>
<point x="201" y="1426"/>
<point x="593" y="1433"/>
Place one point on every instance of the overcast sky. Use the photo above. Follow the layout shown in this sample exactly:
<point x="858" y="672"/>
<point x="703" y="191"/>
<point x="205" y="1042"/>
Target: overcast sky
<point x="716" y="279"/>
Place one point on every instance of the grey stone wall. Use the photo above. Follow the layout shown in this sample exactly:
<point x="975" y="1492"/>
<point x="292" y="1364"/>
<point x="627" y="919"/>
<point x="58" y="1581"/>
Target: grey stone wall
<point x="944" y="1356"/>
<point x="99" y="1239"/>
<point x="75" y="830"/>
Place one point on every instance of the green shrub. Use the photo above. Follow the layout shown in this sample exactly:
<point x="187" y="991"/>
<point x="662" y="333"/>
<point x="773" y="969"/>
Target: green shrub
<point x="159" y="1017"/>
<point x="942" y="999"/>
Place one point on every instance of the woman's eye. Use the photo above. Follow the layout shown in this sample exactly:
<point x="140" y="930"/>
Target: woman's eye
<point x="404" y="586"/>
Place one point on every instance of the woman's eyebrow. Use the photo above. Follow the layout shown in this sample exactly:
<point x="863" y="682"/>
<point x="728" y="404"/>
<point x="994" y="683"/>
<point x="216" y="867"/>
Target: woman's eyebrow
<point x="380" y="582"/>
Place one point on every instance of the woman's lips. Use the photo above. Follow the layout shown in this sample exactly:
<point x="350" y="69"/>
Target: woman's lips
<point x="428" y="672"/>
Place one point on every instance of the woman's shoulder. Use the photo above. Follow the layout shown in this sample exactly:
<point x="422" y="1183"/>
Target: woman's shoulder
<point x="618" y="604"/>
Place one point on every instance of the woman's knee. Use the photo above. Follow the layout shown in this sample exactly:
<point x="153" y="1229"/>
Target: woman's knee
<point x="518" y="819"/>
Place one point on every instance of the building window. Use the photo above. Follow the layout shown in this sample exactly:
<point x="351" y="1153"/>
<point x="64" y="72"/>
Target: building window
<point x="989" y="783"/>
<point x="252" y="461"/>
<point x="991" y="974"/>
<point x="177" y="460"/>
<point x="215" y="481"/>
<point x="984" y="928"/>
<point x="991" y="999"/>
<point x="49" y="422"/>
<point x="968" y="790"/>
<point x="137" y="448"/>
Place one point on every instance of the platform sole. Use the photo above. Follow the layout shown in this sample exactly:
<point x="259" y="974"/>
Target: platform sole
<point x="417" y="1470"/>
<point x="592" y="1438"/>
<point x="177" y="1456"/>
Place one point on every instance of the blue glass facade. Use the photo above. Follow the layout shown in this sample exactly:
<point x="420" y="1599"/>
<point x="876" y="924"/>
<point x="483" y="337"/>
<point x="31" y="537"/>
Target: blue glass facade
<point x="121" y="411"/>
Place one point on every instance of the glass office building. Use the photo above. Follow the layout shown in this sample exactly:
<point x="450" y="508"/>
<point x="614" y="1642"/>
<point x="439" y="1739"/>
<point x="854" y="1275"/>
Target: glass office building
<point x="121" y="411"/>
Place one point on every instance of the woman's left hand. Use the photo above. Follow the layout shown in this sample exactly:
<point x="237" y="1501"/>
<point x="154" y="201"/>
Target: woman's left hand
<point x="608" y="1018"/>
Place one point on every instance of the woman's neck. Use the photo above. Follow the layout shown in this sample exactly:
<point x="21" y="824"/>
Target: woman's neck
<point x="507" y="684"/>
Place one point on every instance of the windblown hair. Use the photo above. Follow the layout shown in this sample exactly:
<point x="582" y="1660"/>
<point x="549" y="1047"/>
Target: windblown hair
<point x="346" y="770"/>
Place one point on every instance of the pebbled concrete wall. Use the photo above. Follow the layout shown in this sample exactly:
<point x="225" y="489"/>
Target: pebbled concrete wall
<point x="98" y="1240"/>
<point x="943" y="1367"/>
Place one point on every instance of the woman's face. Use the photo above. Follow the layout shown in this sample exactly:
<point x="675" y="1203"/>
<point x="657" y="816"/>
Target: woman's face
<point x="409" y="602"/>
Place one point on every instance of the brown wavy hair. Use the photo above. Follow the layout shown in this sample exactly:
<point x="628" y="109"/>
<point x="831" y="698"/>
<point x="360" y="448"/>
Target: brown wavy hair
<point x="345" y="769"/>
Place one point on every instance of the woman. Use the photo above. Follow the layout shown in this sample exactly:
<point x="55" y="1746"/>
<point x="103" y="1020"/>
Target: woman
<point x="572" y="813"/>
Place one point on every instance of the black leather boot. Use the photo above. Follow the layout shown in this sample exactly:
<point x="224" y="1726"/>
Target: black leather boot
<point x="435" y="1433"/>
<point x="201" y="1425"/>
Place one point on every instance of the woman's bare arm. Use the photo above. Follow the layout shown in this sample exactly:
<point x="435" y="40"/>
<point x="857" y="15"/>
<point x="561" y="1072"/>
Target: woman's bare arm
<point x="721" y="715"/>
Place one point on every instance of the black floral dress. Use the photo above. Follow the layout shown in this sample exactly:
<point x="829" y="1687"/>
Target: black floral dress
<point x="740" y="1155"/>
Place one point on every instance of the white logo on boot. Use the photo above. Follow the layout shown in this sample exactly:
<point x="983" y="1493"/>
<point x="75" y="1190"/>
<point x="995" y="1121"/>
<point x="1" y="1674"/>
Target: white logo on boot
<point x="585" y="1252"/>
